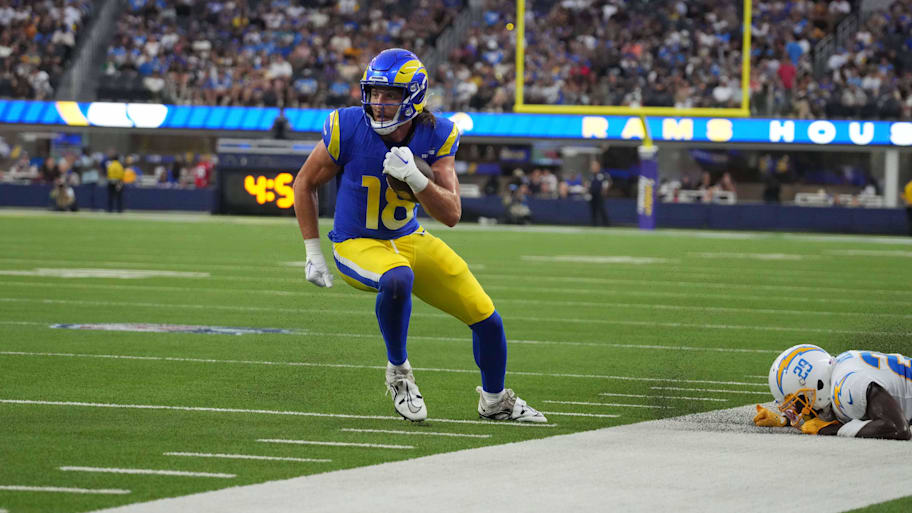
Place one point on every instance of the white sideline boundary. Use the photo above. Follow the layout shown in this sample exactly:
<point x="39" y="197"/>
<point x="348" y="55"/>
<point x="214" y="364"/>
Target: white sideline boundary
<point x="710" y="462"/>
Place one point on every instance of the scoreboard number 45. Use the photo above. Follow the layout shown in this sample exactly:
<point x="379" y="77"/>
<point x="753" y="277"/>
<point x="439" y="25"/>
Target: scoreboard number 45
<point x="267" y="190"/>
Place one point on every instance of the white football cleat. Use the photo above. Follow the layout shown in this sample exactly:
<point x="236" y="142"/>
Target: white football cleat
<point x="509" y="407"/>
<point x="406" y="398"/>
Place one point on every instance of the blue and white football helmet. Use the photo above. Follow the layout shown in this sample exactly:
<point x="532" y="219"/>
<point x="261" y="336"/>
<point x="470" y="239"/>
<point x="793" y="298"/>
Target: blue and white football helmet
<point x="800" y="380"/>
<point x="395" y="68"/>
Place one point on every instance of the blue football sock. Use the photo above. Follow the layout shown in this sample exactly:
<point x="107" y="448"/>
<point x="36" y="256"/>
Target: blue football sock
<point x="489" y="343"/>
<point x="394" y="306"/>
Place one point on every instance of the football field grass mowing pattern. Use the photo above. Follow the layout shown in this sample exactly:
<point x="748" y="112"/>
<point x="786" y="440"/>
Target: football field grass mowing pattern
<point x="605" y="327"/>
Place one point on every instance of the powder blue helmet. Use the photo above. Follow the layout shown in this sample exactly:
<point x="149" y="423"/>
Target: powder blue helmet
<point x="395" y="68"/>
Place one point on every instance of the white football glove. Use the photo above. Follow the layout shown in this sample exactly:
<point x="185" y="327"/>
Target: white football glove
<point x="315" y="265"/>
<point x="400" y="163"/>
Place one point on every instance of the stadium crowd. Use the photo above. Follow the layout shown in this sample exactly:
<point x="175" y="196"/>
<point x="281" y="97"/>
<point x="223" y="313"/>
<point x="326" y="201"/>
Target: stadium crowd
<point x="261" y="53"/>
<point x="37" y="40"/>
<point x="688" y="54"/>
<point x="292" y="53"/>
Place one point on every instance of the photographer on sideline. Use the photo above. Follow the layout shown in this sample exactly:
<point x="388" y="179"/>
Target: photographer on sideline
<point x="63" y="198"/>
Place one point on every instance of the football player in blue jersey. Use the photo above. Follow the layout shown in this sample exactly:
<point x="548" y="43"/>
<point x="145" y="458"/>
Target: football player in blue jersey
<point x="378" y="245"/>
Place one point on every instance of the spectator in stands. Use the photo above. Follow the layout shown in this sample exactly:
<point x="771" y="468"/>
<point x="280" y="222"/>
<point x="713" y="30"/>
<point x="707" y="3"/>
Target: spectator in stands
<point x="726" y="183"/>
<point x="771" y="186"/>
<point x="706" y="186"/>
<point x="36" y="43"/>
<point x="516" y="205"/>
<point x="49" y="171"/>
<point x="23" y="170"/>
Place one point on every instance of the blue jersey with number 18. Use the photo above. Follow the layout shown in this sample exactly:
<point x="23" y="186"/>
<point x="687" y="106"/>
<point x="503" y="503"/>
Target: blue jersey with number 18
<point x="365" y="205"/>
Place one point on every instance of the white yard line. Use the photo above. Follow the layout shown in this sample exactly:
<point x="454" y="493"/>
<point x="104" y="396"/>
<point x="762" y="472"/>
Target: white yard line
<point x="710" y="390"/>
<point x="575" y="414"/>
<point x="246" y="457"/>
<point x="553" y="301"/>
<point x="256" y="412"/>
<point x="609" y="292"/>
<point x="666" y="397"/>
<point x="694" y="284"/>
<point x="559" y="320"/>
<point x="334" y="444"/>
<point x="373" y="367"/>
<point x="353" y="295"/>
<point x="410" y="433"/>
<point x="62" y="489"/>
<point x="620" y="405"/>
<point x="648" y="306"/>
<point x="150" y="472"/>
<point x="514" y="341"/>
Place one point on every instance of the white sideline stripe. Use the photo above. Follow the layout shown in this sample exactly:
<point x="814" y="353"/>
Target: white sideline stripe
<point x="334" y="444"/>
<point x="261" y="412"/>
<point x="427" y="433"/>
<point x="569" y="291"/>
<point x="61" y="489"/>
<point x="246" y="457"/>
<point x="445" y="316"/>
<point x="710" y="390"/>
<point x="570" y="414"/>
<point x="667" y="397"/>
<point x="622" y="405"/>
<point x="146" y="471"/>
<point x="352" y="366"/>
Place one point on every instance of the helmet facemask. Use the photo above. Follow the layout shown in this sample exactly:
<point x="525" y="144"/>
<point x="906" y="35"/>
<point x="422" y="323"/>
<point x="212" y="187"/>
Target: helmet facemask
<point x="799" y="406"/>
<point x="384" y="126"/>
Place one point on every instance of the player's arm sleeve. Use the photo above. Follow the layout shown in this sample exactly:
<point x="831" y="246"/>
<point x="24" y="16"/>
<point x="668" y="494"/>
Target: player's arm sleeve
<point x="884" y="419"/>
<point x="332" y="136"/>
<point x="446" y="140"/>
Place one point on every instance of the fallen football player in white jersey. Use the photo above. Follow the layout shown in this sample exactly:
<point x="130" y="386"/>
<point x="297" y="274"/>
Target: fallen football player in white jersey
<point x="863" y="394"/>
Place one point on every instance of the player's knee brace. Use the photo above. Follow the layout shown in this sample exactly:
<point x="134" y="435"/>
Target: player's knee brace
<point x="397" y="282"/>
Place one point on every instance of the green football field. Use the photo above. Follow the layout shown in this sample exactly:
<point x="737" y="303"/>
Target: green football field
<point x="120" y="383"/>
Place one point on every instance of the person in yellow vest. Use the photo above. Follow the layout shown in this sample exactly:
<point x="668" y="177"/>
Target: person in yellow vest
<point x="907" y="196"/>
<point x="115" y="172"/>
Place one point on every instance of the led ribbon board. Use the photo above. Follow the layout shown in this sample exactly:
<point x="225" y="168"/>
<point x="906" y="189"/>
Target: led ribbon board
<point x="686" y="129"/>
